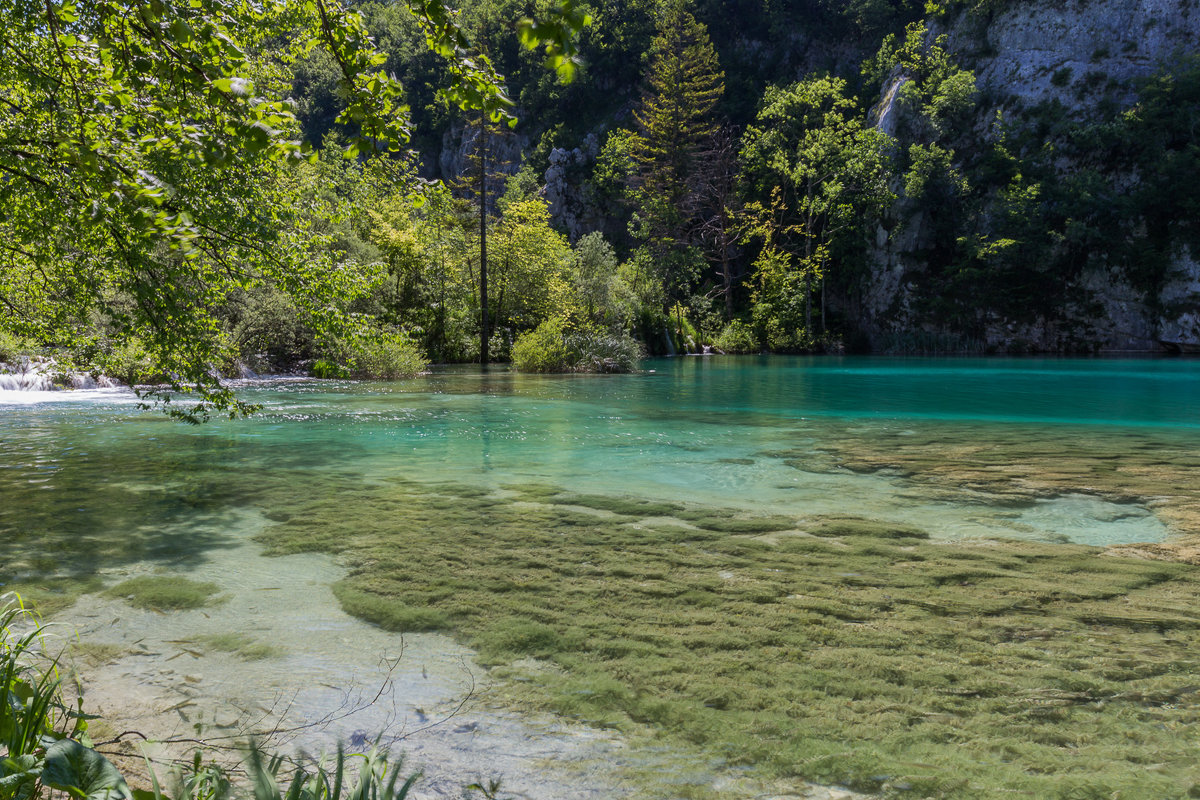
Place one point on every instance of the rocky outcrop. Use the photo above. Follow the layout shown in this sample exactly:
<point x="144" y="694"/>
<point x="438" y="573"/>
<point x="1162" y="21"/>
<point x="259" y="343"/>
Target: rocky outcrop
<point x="571" y="207"/>
<point x="1073" y="53"/>
<point x="1041" y="50"/>
<point x="460" y="144"/>
<point x="1178" y="317"/>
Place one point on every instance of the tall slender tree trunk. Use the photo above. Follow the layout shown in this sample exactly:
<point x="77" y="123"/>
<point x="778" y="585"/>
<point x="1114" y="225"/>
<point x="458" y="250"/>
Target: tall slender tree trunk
<point x="808" y="262"/>
<point x="483" y="279"/>
<point x="727" y="276"/>
<point x="726" y="266"/>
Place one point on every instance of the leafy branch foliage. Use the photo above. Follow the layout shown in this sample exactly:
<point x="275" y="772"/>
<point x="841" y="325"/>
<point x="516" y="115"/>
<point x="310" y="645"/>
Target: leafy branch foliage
<point x="147" y="173"/>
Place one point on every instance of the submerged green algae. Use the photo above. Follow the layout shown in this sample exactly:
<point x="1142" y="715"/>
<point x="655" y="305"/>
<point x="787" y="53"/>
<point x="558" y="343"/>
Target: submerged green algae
<point x="1022" y="465"/>
<point x="165" y="592"/>
<point x="830" y="640"/>
<point x="242" y="645"/>
<point x="834" y="649"/>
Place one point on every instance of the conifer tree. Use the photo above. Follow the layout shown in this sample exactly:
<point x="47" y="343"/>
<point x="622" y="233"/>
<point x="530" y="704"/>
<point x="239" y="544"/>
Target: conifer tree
<point x="675" y="127"/>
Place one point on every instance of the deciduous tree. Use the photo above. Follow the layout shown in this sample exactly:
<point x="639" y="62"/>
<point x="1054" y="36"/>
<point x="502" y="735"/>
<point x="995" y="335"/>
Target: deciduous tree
<point x="826" y="173"/>
<point x="143" y="155"/>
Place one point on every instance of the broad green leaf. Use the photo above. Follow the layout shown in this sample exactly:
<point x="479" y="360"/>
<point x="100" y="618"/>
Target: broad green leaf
<point x="19" y="775"/>
<point x="239" y="87"/>
<point x="83" y="773"/>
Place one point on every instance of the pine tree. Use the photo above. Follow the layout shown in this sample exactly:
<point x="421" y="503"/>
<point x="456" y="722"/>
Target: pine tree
<point x="675" y="127"/>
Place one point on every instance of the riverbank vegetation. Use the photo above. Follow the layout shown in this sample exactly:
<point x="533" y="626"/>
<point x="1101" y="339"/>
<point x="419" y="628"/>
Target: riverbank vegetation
<point x="50" y="752"/>
<point x="273" y="205"/>
<point x="189" y="191"/>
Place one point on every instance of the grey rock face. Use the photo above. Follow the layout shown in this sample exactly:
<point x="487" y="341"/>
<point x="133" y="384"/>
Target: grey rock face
<point x="1039" y="51"/>
<point x="459" y="144"/>
<point x="1032" y="42"/>
<point x="570" y="208"/>
<point x="1178" y="321"/>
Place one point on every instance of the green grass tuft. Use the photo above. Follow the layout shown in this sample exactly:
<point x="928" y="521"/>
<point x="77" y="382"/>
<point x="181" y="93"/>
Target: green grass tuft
<point x="857" y="526"/>
<point x="388" y="612"/>
<point x="628" y="506"/>
<point x="513" y="639"/>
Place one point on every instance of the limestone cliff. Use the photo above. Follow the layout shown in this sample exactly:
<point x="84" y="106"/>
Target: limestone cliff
<point x="1085" y="57"/>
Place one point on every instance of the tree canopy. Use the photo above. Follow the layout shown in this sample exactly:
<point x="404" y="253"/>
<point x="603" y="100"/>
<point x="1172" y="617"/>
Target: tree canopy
<point x="144" y="162"/>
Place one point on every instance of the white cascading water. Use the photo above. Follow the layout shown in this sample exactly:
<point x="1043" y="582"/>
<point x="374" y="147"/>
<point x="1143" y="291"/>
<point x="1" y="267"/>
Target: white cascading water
<point x="30" y="375"/>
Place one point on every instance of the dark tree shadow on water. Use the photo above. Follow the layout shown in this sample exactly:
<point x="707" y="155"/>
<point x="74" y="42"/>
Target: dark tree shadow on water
<point x="66" y="516"/>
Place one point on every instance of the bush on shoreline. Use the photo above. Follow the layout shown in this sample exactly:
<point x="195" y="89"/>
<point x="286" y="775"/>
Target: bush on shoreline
<point x="737" y="337"/>
<point x="377" y="354"/>
<point x="557" y="346"/>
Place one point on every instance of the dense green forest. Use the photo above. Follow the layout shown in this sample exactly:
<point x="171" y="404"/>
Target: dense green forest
<point x="191" y="190"/>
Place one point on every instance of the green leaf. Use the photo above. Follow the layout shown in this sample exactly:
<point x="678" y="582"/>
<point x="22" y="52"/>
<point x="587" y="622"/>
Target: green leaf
<point x="18" y="776"/>
<point x="181" y="30"/>
<point x="239" y="87"/>
<point x="83" y="773"/>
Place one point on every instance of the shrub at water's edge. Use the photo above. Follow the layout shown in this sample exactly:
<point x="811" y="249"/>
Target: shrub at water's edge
<point x="45" y="740"/>
<point x="557" y="346"/>
<point x="737" y="337"/>
<point x="12" y="348"/>
<point x="379" y="354"/>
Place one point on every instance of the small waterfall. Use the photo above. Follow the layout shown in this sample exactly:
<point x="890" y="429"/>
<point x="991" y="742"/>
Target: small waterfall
<point x="39" y="375"/>
<point x="667" y="339"/>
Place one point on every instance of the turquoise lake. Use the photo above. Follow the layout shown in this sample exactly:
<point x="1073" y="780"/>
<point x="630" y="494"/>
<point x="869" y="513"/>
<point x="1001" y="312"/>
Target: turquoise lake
<point x="782" y="435"/>
<point x="94" y="491"/>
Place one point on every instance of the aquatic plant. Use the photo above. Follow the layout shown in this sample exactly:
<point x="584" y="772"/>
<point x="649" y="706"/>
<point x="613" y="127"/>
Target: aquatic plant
<point x="373" y="775"/>
<point x="836" y="649"/>
<point x="244" y="647"/>
<point x="44" y="737"/>
<point x="46" y="747"/>
<point x="164" y="592"/>
<point x="378" y="777"/>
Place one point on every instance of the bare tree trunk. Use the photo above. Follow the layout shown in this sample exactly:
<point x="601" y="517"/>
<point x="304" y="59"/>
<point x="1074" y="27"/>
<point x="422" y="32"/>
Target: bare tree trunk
<point x="483" y="279"/>
<point x="808" y="238"/>
<point x="727" y="275"/>
<point x="726" y="266"/>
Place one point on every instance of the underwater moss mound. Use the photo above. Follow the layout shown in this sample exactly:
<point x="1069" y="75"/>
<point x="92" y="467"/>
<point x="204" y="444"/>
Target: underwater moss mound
<point x="164" y="592"/>
<point x="833" y="649"/>
<point x="242" y="645"/>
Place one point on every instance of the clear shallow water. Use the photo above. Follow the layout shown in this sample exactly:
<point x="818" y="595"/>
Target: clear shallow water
<point x="1095" y="451"/>
<point x="771" y="434"/>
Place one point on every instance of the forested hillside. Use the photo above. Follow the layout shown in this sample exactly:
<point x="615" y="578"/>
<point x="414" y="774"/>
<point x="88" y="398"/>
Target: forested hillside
<point x="984" y="176"/>
<point x="197" y="189"/>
